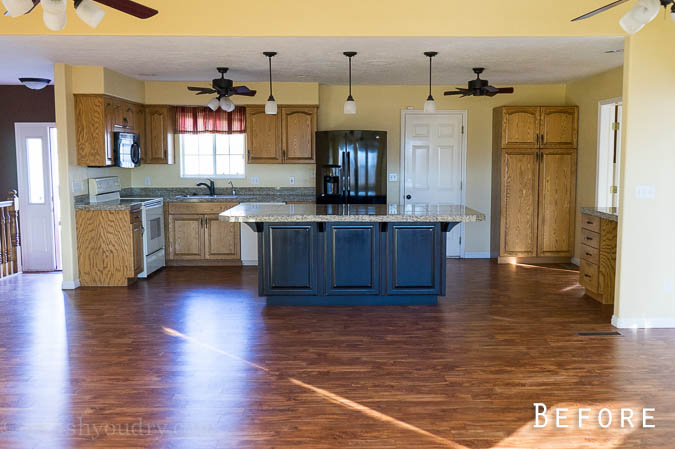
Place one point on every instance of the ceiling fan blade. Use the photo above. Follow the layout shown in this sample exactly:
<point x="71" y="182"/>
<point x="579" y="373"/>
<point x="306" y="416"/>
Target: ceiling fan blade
<point x="243" y="90"/>
<point x="506" y="90"/>
<point x="454" y="92"/>
<point x="206" y="90"/>
<point x="130" y="7"/>
<point x="491" y="89"/>
<point x="599" y="10"/>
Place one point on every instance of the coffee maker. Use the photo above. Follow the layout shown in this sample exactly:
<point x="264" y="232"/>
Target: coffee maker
<point x="331" y="180"/>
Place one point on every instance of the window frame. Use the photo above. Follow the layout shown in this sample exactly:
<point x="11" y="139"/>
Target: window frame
<point x="215" y="154"/>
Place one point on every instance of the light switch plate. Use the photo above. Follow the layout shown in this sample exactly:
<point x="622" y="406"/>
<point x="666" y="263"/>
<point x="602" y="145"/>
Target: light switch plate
<point x="645" y="192"/>
<point x="291" y="180"/>
<point x="147" y="180"/>
<point x="255" y="180"/>
<point x="393" y="177"/>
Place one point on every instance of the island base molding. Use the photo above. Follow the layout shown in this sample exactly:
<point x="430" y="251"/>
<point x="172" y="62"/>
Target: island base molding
<point x="420" y="300"/>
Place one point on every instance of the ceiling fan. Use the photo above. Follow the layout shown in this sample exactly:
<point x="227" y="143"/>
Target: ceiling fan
<point x="480" y="88"/>
<point x="225" y="88"/>
<point x="54" y="11"/>
<point x="643" y="13"/>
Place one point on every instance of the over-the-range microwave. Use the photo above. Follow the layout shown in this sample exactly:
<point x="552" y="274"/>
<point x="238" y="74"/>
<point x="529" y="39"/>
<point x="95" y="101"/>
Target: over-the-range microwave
<point x="127" y="150"/>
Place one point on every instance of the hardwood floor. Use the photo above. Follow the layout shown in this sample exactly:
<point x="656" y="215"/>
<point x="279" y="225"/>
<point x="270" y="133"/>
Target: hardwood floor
<point x="191" y="358"/>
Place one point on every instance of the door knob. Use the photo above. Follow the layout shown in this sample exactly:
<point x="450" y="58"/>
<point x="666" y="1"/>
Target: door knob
<point x="408" y="197"/>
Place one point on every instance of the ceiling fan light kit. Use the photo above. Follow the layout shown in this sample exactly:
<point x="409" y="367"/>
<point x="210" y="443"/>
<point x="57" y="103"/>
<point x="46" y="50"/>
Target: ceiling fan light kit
<point x="225" y="88"/>
<point x="430" y="104"/>
<point x="226" y="104"/>
<point x="214" y="104"/>
<point x="271" y="104"/>
<point x="54" y="14"/>
<point x="644" y="12"/>
<point x="16" y="8"/>
<point x="89" y="12"/>
<point x="350" y="104"/>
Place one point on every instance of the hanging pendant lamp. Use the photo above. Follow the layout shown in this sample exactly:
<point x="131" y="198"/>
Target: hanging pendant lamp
<point x="271" y="105"/>
<point x="350" y="104"/>
<point x="430" y="104"/>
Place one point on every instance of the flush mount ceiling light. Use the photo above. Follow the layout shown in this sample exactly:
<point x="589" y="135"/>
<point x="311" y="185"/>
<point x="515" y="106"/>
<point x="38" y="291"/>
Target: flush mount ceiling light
<point x="271" y="105"/>
<point x="35" y="83"/>
<point x="350" y="104"/>
<point x="642" y="13"/>
<point x="54" y="11"/>
<point x="430" y="104"/>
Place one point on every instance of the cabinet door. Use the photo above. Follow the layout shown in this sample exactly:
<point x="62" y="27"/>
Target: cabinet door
<point x="128" y="117"/>
<point x="222" y="239"/>
<point x="159" y="135"/>
<point x="559" y="127"/>
<point x="557" y="194"/>
<point x="139" y="123"/>
<point x="520" y="127"/>
<point x="298" y="128"/>
<point x="263" y="134"/>
<point x="352" y="259"/>
<point x="94" y="132"/>
<point x="413" y="257"/>
<point x="290" y="259"/>
<point x="137" y="232"/>
<point x="110" y="111"/>
<point x="186" y="237"/>
<point x="520" y="185"/>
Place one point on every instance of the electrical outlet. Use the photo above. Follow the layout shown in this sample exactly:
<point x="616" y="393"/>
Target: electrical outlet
<point x="668" y="286"/>
<point x="393" y="177"/>
<point x="147" y="180"/>
<point x="645" y="192"/>
<point x="255" y="180"/>
<point x="291" y="180"/>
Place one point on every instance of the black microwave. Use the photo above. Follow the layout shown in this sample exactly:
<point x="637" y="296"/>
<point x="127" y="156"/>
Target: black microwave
<point x="127" y="150"/>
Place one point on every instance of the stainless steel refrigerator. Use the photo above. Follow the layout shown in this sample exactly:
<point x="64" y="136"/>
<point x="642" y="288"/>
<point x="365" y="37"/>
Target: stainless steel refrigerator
<point x="351" y="167"/>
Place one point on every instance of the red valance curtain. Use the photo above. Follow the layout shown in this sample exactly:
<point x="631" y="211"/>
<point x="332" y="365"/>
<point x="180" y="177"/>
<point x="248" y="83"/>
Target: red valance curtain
<point x="199" y="120"/>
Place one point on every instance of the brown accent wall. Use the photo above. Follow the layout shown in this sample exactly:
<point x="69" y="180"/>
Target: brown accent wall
<point x="19" y="104"/>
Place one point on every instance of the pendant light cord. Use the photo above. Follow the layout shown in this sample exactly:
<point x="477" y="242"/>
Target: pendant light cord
<point x="350" y="76"/>
<point x="270" y="58"/>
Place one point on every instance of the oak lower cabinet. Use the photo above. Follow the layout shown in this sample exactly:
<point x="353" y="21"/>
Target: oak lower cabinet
<point x="597" y="268"/>
<point x="109" y="247"/>
<point x="285" y="138"/>
<point x="159" y="134"/>
<point x="196" y="236"/>
<point x="533" y="186"/>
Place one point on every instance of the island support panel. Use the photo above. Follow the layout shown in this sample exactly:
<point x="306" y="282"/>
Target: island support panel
<point x="361" y="263"/>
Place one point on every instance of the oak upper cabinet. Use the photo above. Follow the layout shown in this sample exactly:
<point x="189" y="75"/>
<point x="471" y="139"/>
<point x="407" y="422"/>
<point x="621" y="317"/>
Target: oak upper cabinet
<point x="534" y="186"/>
<point x="520" y="179"/>
<point x="298" y="130"/>
<point x="520" y="127"/>
<point x="284" y="138"/>
<point x="557" y="194"/>
<point x="159" y="134"/>
<point x="263" y="136"/>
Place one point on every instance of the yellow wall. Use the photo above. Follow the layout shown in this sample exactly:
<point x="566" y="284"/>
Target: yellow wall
<point x="379" y="108"/>
<point x="646" y="236"/>
<point x="586" y="93"/>
<point x="345" y="18"/>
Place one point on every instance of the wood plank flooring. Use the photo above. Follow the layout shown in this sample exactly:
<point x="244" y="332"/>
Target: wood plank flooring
<point x="192" y="358"/>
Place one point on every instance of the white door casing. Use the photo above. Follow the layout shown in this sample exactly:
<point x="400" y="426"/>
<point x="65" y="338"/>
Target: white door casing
<point x="433" y="163"/>
<point x="607" y="171"/>
<point x="33" y="155"/>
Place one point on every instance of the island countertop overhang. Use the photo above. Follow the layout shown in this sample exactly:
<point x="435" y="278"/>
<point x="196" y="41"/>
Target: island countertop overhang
<point x="326" y="213"/>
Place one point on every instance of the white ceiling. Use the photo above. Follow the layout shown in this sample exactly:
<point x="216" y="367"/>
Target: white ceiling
<point x="380" y="60"/>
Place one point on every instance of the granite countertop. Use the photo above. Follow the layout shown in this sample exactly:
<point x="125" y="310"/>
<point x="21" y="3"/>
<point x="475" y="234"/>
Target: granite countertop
<point x="253" y="212"/>
<point x="608" y="213"/>
<point x="108" y="205"/>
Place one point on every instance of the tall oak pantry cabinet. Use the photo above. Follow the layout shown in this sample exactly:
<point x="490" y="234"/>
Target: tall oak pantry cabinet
<point x="534" y="175"/>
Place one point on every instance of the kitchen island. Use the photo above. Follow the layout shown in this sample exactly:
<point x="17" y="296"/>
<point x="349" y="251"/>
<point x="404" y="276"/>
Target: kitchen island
<point x="311" y="254"/>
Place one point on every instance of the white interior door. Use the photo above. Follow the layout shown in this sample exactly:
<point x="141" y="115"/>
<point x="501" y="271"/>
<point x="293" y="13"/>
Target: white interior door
<point x="36" y="196"/>
<point x="434" y="164"/>
<point x="609" y="152"/>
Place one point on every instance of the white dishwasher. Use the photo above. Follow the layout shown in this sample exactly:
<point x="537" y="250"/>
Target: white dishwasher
<point x="249" y="243"/>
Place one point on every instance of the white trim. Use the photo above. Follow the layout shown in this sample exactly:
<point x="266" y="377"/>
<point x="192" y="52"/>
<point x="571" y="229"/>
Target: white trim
<point x="477" y="255"/>
<point x="249" y="263"/>
<point x="643" y="323"/>
<point x="598" y="158"/>
<point x="401" y="173"/>
<point x="70" y="285"/>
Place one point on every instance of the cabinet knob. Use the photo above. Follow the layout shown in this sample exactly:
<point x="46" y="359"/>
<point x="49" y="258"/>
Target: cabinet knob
<point x="408" y="197"/>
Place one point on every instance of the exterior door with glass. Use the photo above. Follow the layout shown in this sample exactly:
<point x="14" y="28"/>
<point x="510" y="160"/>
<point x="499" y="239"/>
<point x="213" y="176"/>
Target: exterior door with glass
<point x="33" y="146"/>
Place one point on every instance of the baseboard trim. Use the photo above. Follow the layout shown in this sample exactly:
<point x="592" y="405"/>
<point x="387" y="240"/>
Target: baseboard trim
<point x="70" y="285"/>
<point x="477" y="255"/>
<point x="643" y="323"/>
<point x="249" y="263"/>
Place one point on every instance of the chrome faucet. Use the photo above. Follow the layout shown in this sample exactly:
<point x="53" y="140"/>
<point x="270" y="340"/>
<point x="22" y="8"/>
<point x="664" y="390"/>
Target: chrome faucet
<point x="211" y="186"/>
<point x="234" y="192"/>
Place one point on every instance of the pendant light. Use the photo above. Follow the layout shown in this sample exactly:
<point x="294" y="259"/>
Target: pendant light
<point x="430" y="104"/>
<point x="271" y="105"/>
<point x="350" y="104"/>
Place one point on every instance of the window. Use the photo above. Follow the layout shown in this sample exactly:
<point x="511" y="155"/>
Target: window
<point x="36" y="175"/>
<point x="212" y="155"/>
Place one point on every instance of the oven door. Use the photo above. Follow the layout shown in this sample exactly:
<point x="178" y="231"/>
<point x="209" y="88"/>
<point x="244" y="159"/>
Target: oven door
<point x="154" y="229"/>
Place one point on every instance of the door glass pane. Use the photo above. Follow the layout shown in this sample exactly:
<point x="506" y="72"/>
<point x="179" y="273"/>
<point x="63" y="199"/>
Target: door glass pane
<point x="36" y="177"/>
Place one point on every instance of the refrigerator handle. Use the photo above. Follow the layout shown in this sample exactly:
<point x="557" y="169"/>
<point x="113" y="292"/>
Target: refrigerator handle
<point x="349" y="172"/>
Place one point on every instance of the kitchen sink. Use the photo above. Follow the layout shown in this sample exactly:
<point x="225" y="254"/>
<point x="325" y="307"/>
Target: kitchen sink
<point x="213" y="197"/>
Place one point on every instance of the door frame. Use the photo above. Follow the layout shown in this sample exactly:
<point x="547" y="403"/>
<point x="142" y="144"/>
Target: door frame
<point x="464" y="113"/>
<point x="22" y="181"/>
<point x="601" y="159"/>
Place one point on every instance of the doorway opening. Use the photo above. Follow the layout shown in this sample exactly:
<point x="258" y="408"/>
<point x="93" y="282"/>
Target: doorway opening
<point x="37" y="170"/>
<point x="433" y="164"/>
<point x="609" y="152"/>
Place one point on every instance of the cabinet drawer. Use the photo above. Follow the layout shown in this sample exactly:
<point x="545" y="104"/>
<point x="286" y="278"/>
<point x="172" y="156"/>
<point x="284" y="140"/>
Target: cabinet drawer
<point x="588" y="276"/>
<point x="136" y="216"/>
<point x="199" y="208"/>
<point x="590" y="238"/>
<point x="590" y="222"/>
<point x="590" y="254"/>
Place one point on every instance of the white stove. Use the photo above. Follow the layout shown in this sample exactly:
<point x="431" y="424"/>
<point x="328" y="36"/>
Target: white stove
<point x="152" y="210"/>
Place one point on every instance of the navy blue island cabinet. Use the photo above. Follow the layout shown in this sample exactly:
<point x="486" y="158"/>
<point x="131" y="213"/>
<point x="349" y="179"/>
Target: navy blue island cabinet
<point x="348" y="254"/>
